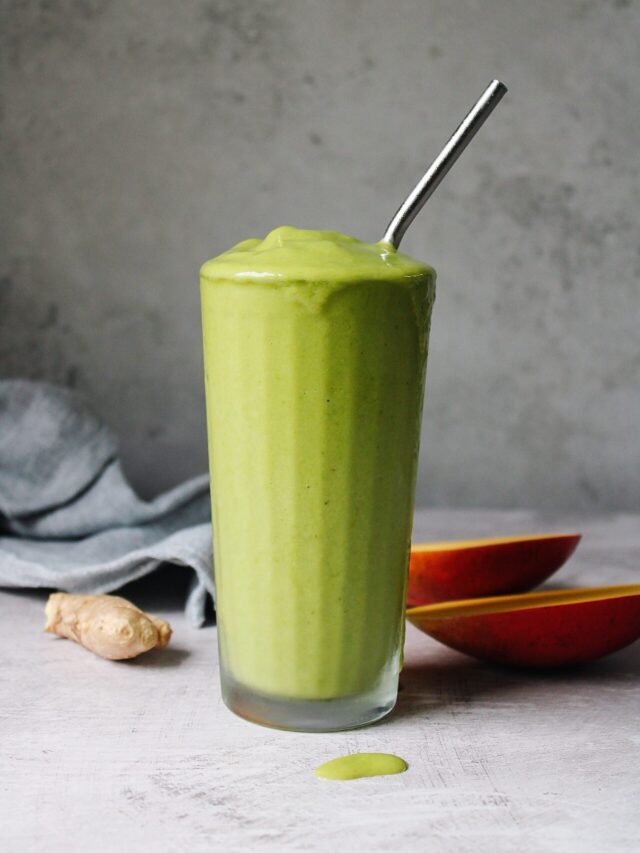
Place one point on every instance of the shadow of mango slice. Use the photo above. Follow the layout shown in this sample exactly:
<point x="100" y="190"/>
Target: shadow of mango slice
<point x="542" y="629"/>
<point x="446" y="571"/>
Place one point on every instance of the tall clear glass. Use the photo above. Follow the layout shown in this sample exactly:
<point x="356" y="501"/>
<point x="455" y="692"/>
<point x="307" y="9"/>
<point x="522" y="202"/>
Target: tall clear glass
<point x="314" y="398"/>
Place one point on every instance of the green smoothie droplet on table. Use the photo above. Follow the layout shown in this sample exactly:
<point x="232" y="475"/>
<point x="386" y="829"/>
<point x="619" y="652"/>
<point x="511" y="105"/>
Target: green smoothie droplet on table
<point x="361" y="764"/>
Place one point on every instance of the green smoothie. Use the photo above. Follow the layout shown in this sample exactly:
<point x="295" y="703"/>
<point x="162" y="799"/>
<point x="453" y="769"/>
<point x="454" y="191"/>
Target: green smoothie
<point x="315" y="347"/>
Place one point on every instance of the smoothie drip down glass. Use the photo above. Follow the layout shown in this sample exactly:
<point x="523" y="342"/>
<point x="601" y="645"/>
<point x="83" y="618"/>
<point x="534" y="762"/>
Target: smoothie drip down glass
<point x="315" y="348"/>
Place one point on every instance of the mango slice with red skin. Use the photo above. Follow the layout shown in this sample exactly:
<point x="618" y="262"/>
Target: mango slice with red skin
<point x="445" y="571"/>
<point x="543" y="629"/>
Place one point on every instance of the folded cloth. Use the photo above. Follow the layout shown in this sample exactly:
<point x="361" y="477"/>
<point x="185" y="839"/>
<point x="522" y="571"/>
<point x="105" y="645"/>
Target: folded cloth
<point x="68" y="517"/>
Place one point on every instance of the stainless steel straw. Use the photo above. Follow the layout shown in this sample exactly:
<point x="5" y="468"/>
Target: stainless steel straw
<point x="430" y="181"/>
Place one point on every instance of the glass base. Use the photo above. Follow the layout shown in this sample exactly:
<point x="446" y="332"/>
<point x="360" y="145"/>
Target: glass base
<point x="307" y="715"/>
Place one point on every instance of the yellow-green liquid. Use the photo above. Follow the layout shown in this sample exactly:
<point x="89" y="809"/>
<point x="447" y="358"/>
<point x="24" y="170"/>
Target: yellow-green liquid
<point x="315" y="348"/>
<point x="361" y="764"/>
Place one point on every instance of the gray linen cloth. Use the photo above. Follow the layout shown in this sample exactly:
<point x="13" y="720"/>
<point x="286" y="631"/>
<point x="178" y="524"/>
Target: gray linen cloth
<point x="68" y="517"/>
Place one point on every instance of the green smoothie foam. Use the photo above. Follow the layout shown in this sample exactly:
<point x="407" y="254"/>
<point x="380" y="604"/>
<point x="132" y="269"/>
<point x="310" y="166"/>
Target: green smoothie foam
<point x="315" y="347"/>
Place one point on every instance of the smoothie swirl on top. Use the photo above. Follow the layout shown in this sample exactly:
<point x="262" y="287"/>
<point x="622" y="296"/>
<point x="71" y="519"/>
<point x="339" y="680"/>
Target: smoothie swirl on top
<point x="295" y="255"/>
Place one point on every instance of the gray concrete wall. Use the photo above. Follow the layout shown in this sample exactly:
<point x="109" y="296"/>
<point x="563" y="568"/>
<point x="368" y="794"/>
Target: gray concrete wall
<point x="140" y="137"/>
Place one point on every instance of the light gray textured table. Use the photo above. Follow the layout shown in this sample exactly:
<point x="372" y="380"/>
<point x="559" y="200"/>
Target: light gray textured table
<point x="99" y="756"/>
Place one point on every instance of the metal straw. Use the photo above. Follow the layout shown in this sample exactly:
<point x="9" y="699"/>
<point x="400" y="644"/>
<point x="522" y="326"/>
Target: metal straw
<point x="430" y="181"/>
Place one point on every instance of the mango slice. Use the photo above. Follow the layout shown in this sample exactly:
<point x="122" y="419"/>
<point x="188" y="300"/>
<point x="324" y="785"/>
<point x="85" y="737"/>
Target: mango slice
<point x="445" y="571"/>
<point x="542" y="629"/>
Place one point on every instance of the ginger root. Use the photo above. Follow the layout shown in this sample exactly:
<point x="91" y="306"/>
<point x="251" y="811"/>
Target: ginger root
<point x="107" y="625"/>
